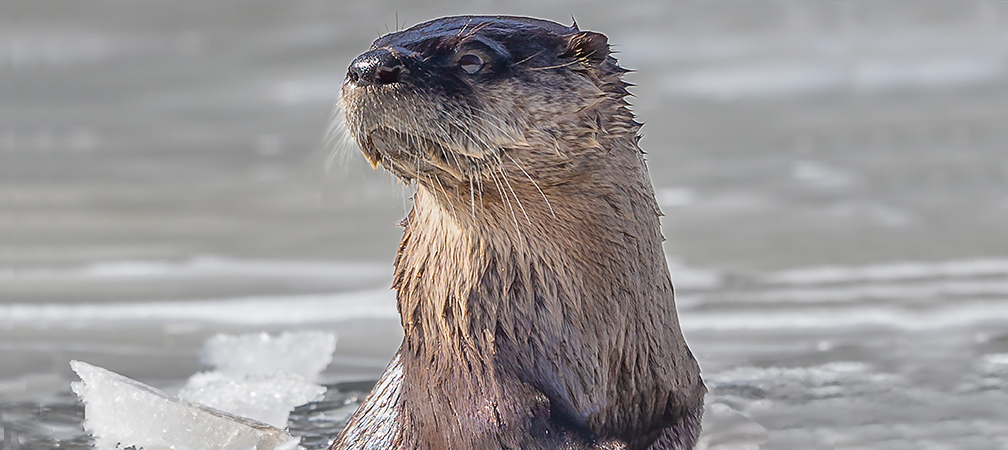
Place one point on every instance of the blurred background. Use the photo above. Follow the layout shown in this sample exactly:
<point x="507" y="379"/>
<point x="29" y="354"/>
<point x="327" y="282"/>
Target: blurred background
<point x="834" y="176"/>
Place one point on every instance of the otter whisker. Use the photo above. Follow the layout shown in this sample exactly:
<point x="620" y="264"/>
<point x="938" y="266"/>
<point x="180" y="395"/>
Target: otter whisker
<point x="458" y="164"/>
<point x="472" y="199"/>
<point x="338" y="138"/>
<point x="479" y="185"/>
<point x="474" y="30"/>
<point x="533" y="183"/>
<point x="558" y="66"/>
<point x="527" y="59"/>
<point x="504" y="176"/>
<point x="487" y="121"/>
<point x="403" y="192"/>
<point x="505" y="200"/>
<point x="463" y="28"/>
<point x="447" y="199"/>
<point x="415" y="156"/>
<point x="454" y="142"/>
<point x="475" y="137"/>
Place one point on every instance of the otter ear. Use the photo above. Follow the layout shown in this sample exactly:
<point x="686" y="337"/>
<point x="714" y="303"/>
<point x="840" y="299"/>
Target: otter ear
<point x="588" y="46"/>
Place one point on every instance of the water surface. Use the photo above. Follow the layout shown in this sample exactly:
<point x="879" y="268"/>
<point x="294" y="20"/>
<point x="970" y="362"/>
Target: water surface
<point x="833" y="174"/>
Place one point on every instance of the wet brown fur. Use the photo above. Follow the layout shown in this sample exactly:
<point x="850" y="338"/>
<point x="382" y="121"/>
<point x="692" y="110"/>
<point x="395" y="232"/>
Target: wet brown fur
<point x="534" y="293"/>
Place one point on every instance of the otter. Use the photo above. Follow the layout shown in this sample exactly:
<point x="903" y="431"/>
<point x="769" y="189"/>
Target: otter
<point x="534" y="293"/>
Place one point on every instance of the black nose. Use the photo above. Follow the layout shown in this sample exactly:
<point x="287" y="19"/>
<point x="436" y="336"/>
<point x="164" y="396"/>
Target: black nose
<point x="378" y="67"/>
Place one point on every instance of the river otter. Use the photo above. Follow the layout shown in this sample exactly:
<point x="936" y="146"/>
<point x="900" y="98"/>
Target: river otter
<point x="534" y="293"/>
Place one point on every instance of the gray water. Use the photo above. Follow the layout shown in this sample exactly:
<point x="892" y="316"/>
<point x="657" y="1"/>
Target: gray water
<point x="834" y="177"/>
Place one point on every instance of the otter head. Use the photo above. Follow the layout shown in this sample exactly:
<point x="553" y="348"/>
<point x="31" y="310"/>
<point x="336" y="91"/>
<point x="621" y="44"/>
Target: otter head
<point x="464" y="104"/>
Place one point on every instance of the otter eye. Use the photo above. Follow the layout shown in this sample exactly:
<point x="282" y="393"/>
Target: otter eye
<point x="470" y="63"/>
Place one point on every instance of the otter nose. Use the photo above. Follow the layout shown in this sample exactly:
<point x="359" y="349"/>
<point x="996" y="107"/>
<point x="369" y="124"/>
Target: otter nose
<point x="378" y="67"/>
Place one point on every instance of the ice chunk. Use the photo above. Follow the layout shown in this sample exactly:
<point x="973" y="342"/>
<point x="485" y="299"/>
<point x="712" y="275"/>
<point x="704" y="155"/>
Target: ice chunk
<point x="120" y="412"/>
<point x="305" y="353"/>
<point x="259" y="376"/>
<point x="266" y="398"/>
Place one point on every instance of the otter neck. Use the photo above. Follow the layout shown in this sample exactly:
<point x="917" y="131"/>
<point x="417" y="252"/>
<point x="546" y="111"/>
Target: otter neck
<point x="571" y="297"/>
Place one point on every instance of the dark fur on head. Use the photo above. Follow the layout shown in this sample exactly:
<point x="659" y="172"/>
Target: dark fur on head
<point x="533" y="289"/>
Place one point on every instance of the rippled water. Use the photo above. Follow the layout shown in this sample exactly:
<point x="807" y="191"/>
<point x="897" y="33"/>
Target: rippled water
<point x="910" y="355"/>
<point x="834" y="177"/>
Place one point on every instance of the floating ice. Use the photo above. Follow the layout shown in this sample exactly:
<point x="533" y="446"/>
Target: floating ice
<point x="266" y="398"/>
<point x="243" y="404"/>
<point x="261" y="376"/>
<point x="120" y="412"/>
<point x="305" y="353"/>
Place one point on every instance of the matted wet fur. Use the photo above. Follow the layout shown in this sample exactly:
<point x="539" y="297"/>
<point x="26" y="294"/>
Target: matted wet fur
<point x="534" y="293"/>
